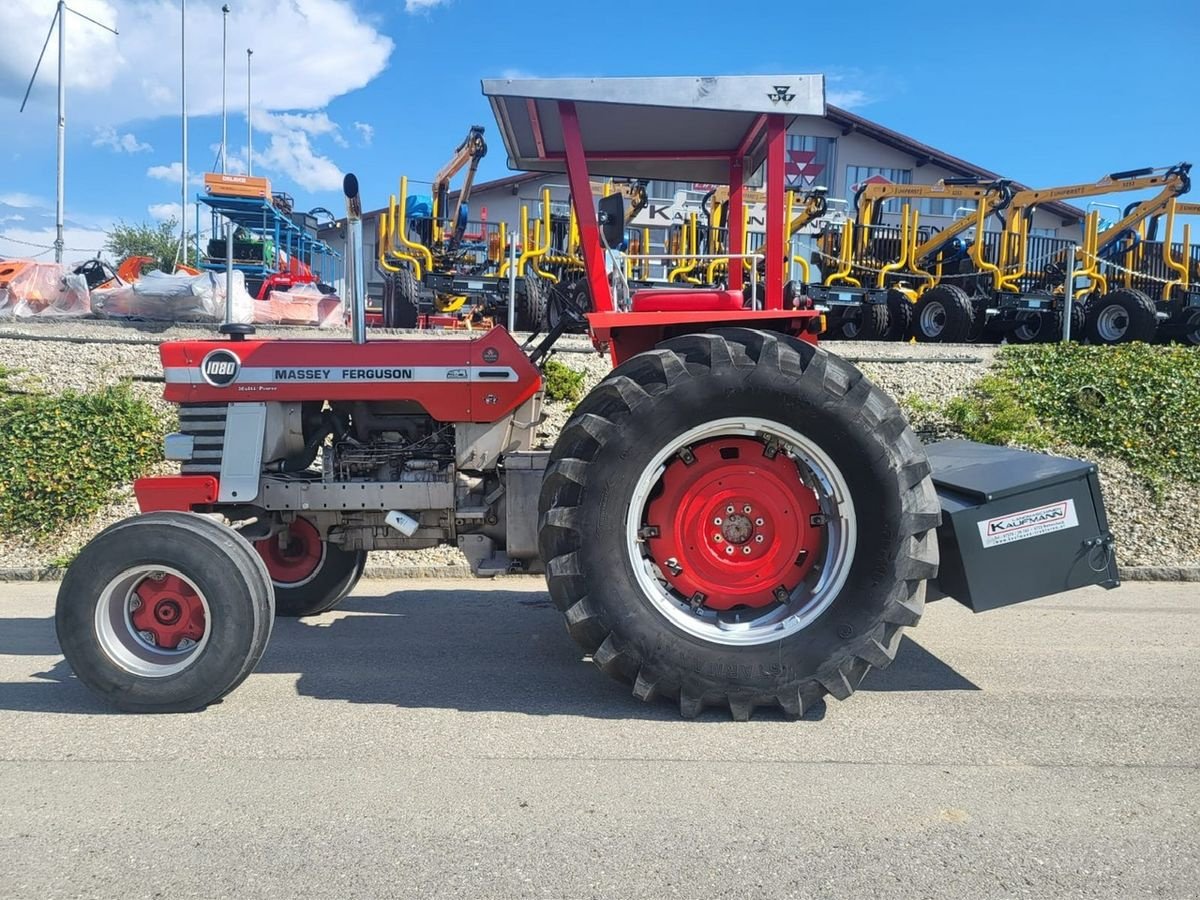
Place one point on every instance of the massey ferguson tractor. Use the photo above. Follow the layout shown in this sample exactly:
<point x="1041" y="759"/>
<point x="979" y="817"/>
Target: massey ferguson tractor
<point x="733" y="518"/>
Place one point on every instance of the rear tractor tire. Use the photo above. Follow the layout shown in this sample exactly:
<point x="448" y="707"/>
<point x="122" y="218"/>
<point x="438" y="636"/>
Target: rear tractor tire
<point x="164" y="612"/>
<point x="944" y="314"/>
<point x="1120" y="317"/>
<point x="738" y="519"/>
<point x="310" y="576"/>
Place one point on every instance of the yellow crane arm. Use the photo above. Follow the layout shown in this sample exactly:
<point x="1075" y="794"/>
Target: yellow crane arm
<point x="1118" y="182"/>
<point x="472" y="149"/>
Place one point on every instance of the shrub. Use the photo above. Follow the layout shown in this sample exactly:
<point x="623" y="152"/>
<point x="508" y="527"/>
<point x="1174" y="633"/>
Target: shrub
<point x="562" y="382"/>
<point x="1134" y="402"/>
<point x="62" y="455"/>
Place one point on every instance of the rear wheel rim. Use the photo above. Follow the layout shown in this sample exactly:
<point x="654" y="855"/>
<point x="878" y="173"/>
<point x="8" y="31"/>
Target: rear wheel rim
<point x="933" y="319"/>
<point x="1112" y="323"/>
<point x="806" y="520"/>
<point x="152" y="621"/>
<point x="298" y="560"/>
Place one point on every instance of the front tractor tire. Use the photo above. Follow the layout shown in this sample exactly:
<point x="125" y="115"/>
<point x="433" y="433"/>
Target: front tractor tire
<point x="310" y="575"/>
<point x="738" y="519"/>
<point x="164" y="612"/>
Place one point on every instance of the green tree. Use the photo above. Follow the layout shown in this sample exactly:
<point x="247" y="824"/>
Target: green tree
<point x="159" y="242"/>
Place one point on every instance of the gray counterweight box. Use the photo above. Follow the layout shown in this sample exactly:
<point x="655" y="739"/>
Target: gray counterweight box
<point x="1017" y="525"/>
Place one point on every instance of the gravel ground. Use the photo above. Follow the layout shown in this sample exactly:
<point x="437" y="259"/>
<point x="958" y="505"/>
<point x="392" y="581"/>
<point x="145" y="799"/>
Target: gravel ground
<point x="1148" y="533"/>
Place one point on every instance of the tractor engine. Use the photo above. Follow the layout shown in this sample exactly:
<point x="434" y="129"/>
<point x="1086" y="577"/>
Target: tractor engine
<point x="372" y="475"/>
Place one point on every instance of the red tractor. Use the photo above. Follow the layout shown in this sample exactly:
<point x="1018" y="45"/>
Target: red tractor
<point x="732" y="518"/>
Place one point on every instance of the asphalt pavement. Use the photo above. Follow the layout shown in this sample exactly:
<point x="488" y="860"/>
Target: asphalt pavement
<point x="446" y="739"/>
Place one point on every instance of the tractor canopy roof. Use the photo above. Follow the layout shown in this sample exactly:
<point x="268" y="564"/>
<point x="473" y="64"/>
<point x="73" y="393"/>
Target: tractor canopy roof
<point x="677" y="128"/>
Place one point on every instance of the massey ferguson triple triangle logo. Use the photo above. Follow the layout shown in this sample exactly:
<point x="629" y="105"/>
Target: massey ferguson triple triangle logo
<point x="782" y="92"/>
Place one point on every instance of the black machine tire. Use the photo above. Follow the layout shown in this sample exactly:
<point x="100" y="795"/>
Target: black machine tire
<point x="900" y="316"/>
<point x="1120" y="317"/>
<point x="1191" y="328"/>
<point x="401" y="303"/>
<point x="874" y="323"/>
<point x="100" y="641"/>
<point x="532" y="301"/>
<point x="310" y="576"/>
<point x="1037" y="328"/>
<point x="944" y="314"/>
<point x="871" y="324"/>
<point x="608" y="448"/>
<point x="571" y="293"/>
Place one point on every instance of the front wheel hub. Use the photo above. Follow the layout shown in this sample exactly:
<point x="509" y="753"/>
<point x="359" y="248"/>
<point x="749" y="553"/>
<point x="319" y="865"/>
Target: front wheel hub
<point x="737" y="521"/>
<point x="167" y="612"/>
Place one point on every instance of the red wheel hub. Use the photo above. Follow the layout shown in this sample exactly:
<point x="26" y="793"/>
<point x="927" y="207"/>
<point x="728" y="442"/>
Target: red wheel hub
<point x="293" y="555"/>
<point x="169" y="610"/>
<point x="733" y="525"/>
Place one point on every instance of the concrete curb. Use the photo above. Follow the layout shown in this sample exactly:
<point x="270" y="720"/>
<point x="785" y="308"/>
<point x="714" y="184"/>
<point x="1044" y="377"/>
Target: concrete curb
<point x="1189" y="573"/>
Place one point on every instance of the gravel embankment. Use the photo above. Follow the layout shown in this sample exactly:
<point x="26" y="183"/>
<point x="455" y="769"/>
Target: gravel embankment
<point x="65" y="355"/>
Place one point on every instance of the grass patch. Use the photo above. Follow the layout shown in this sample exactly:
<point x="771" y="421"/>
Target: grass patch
<point x="562" y="382"/>
<point x="1135" y="402"/>
<point x="63" y="454"/>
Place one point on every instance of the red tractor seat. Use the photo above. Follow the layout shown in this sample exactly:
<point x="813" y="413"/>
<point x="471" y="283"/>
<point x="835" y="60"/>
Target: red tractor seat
<point x="685" y="300"/>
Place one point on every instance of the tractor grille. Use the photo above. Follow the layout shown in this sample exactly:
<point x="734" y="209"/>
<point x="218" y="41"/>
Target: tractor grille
<point x="205" y="424"/>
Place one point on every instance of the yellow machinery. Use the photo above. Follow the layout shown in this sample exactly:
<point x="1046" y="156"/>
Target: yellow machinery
<point x="1167" y="271"/>
<point x="432" y="260"/>
<point x="550" y="267"/>
<point x="874" y="273"/>
<point x="1006" y="281"/>
<point x="1114" y="309"/>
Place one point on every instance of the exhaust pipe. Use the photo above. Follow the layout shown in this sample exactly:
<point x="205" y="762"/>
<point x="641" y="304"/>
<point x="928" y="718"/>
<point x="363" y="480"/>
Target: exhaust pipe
<point x="355" y="286"/>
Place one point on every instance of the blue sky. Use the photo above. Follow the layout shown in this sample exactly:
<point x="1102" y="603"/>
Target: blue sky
<point x="1045" y="92"/>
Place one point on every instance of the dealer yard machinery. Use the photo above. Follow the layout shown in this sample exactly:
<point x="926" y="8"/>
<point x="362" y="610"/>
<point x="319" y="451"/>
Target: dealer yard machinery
<point x="551" y="266"/>
<point x="1169" y="273"/>
<point x="1010" y="284"/>
<point x="430" y="261"/>
<point x="1114" y="312"/>
<point x="879" y="272"/>
<point x="733" y="517"/>
<point x="801" y="211"/>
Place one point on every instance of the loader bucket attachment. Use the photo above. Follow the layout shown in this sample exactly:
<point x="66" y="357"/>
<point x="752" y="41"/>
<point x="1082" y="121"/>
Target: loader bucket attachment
<point x="1017" y="525"/>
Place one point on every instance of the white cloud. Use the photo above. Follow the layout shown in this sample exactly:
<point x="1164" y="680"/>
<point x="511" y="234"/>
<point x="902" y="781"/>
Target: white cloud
<point x="172" y="172"/>
<point x="847" y="99"/>
<point x="418" y="6"/>
<point x="21" y="200"/>
<point x="106" y="136"/>
<point x="136" y="76"/>
<point x="163" y="211"/>
<point x="289" y="149"/>
<point x="235" y="164"/>
<point x="80" y="242"/>
<point x="366" y="133"/>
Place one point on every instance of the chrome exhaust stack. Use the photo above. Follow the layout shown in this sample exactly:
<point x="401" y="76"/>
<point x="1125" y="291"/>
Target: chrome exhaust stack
<point x="355" y="284"/>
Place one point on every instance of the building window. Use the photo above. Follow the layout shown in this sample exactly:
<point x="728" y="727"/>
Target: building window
<point x="1043" y="232"/>
<point x="810" y="162"/>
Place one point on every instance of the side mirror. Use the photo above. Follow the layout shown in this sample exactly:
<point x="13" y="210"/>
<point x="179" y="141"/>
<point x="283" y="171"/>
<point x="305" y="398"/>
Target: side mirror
<point x="612" y="220"/>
